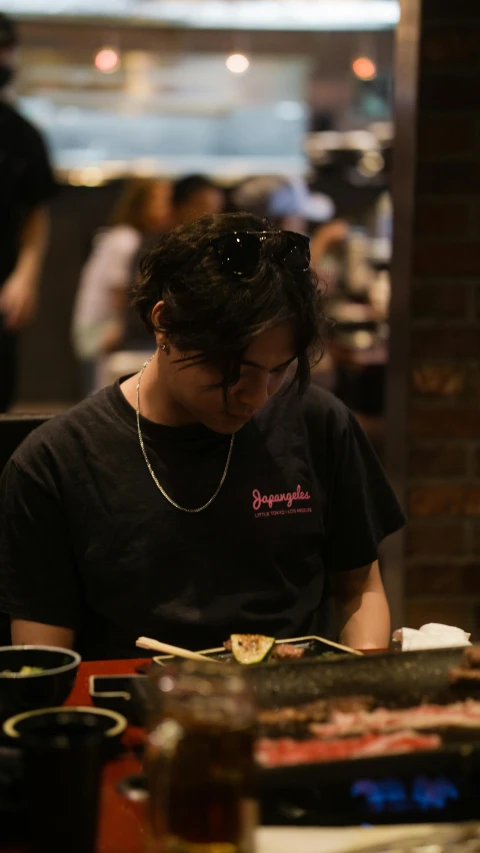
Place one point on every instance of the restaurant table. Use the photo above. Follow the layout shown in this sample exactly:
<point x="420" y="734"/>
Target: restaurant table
<point x="121" y="825"/>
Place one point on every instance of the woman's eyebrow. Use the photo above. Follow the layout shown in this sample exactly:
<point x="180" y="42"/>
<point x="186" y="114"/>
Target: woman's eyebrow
<point x="270" y="370"/>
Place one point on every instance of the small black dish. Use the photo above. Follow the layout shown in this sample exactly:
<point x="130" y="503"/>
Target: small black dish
<point x="71" y="721"/>
<point x="47" y="720"/>
<point x="80" y="729"/>
<point x="50" y="687"/>
<point x="115" y="693"/>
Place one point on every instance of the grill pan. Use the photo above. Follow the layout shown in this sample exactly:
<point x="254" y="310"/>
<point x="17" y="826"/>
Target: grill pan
<point x="330" y="793"/>
<point x="395" y="679"/>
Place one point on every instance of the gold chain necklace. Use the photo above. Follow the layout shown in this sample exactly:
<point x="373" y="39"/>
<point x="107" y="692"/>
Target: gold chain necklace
<point x="154" y="478"/>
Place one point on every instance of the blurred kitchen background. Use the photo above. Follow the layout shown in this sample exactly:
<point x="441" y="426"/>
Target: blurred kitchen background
<point x="230" y="89"/>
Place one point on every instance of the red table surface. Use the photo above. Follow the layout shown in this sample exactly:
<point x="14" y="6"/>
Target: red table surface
<point x="121" y="827"/>
<point x="121" y="821"/>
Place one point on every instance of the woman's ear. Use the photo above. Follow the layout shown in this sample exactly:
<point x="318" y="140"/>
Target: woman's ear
<point x="157" y="318"/>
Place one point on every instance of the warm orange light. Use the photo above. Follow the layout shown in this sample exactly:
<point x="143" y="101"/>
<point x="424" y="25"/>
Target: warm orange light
<point x="107" y="60"/>
<point x="237" y="63"/>
<point x="364" y="68"/>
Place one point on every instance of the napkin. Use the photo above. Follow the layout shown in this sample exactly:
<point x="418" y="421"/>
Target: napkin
<point x="431" y="636"/>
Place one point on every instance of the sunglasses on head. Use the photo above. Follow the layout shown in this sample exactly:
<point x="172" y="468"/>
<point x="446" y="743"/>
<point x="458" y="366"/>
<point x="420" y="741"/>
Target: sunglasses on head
<point x="240" y="252"/>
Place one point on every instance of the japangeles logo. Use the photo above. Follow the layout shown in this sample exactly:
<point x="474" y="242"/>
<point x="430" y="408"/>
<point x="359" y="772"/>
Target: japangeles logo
<point x="287" y="498"/>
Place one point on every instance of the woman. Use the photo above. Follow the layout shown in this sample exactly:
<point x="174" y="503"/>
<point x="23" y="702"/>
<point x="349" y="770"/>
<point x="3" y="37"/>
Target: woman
<point x="216" y="491"/>
<point x="143" y="211"/>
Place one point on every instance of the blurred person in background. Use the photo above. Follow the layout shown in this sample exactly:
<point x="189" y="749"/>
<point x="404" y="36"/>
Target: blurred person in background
<point x="143" y="212"/>
<point x="194" y="196"/>
<point x="26" y="185"/>
<point x="289" y="204"/>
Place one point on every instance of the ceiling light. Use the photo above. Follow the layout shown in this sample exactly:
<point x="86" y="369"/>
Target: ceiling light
<point x="364" y="68"/>
<point x="237" y="63"/>
<point x="107" y="60"/>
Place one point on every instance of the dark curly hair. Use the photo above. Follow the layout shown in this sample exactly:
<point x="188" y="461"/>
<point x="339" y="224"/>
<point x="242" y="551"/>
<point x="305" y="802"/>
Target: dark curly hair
<point x="213" y="314"/>
<point x="184" y="188"/>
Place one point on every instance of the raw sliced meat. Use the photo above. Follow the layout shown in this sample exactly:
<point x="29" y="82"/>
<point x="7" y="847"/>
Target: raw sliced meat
<point x="456" y="676"/>
<point x="471" y="656"/>
<point x="465" y="715"/>
<point x="319" y="710"/>
<point x="280" y="752"/>
<point x="468" y="668"/>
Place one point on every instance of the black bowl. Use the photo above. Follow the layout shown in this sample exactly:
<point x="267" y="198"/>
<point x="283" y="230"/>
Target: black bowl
<point x="80" y="729"/>
<point x="75" y="721"/>
<point x="51" y="687"/>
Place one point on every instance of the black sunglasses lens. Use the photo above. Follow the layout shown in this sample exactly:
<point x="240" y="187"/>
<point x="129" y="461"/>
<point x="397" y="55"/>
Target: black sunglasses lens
<point x="297" y="254"/>
<point x="239" y="253"/>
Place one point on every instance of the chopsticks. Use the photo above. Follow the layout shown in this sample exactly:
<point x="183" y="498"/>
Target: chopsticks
<point x="157" y="646"/>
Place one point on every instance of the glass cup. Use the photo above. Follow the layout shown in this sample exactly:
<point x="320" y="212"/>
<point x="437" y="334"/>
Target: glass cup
<point x="63" y="764"/>
<point x="199" y="761"/>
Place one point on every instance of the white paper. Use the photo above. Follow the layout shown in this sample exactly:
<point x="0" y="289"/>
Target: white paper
<point x="431" y="636"/>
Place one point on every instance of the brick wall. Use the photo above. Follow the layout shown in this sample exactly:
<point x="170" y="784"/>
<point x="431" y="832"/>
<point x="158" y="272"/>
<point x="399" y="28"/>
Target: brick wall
<point x="442" y="579"/>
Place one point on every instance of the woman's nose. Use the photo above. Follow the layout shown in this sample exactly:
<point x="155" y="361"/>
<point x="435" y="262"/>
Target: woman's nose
<point x="254" y="393"/>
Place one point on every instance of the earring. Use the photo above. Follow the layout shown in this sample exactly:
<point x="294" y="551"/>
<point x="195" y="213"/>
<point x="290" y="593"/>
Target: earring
<point x="163" y="347"/>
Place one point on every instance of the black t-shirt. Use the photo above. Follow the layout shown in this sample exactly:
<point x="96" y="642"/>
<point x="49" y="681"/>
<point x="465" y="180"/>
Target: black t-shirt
<point x="26" y="181"/>
<point x="87" y="540"/>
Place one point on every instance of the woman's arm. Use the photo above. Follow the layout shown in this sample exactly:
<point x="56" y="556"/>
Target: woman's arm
<point x="18" y="299"/>
<point x="114" y="331"/>
<point x="362" y="608"/>
<point x="120" y="250"/>
<point x="29" y="633"/>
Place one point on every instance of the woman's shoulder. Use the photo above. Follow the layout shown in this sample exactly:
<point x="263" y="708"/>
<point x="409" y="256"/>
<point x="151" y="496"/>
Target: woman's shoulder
<point x="318" y="403"/>
<point x="64" y="440"/>
<point x="120" y="237"/>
